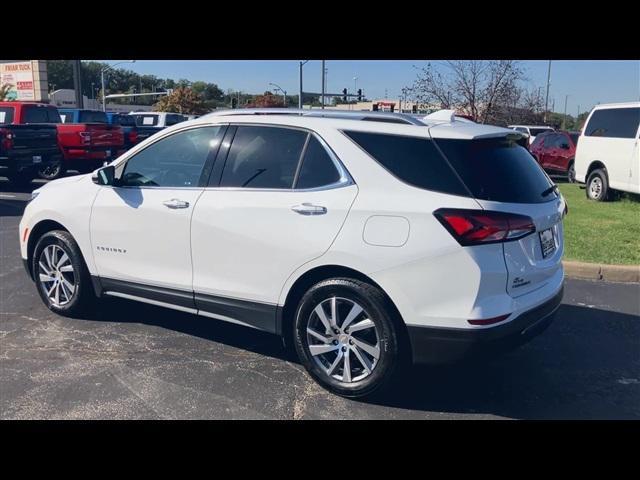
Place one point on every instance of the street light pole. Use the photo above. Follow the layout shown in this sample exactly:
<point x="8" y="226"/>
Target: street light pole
<point x="284" y="93"/>
<point x="300" y="95"/>
<point x="104" y="101"/>
<point x="564" y="118"/>
<point x="323" y="86"/>
<point x="546" y="100"/>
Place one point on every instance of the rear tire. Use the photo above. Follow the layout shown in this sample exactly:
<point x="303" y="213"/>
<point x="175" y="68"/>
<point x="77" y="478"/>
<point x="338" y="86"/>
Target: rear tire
<point x="356" y="353"/>
<point x="61" y="275"/>
<point x="571" y="173"/>
<point x="597" y="185"/>
<point x="53" y="170"/>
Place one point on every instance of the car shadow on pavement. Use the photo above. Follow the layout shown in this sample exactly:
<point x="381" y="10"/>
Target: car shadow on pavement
<point x="586" y="365"/>
<point x="572" y="371"/>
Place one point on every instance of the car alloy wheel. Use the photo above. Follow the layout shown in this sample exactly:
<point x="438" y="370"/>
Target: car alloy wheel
<point x="51" y="171"/>
<point x="342" y="340"/>
<point x="56" y="275"/>
<point x="571" y="174"/>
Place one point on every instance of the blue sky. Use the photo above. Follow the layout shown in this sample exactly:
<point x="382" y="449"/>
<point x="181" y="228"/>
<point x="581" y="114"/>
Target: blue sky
<point x="586" y="82"/>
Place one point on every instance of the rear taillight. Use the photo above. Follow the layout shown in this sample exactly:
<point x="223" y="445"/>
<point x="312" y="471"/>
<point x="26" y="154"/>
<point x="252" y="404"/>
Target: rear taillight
<point x="475" y="227"/>
<point x="133" y="137"/>
<point x="6" y="137"/>
<point x="85" y="138"/>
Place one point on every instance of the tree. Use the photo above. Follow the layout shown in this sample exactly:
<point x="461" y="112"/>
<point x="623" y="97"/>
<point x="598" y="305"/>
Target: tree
<point x="182" y="100"/>
<point x="268" y="100"/>
<point x="485" y="90"/>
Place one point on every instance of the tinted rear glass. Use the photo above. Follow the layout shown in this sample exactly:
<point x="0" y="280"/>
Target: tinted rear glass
<point x="317" y="170"/>
<point x="413" y="160"/>
<point x="498" y="170"/>
<point x="41" y="115"/>
<point x="173" y="119"/>
<point x="537" y="131"/>
<point x="613" y="122"/>
<point x="90" y="116"/>
<point x="6" y="114"/>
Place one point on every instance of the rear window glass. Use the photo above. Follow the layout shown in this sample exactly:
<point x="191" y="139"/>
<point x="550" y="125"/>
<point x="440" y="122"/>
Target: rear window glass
<point x="173" y="119"/>
<point x="413" y="160"/>
<point x="614" y="122"/>
<point x="89" y="116"/>
<point x="537" y="131"/>
<point x="6" y="114"/>
<point x="498" y="170"/>
<point x="41" y="115"/>
<point x="317" y="170"/>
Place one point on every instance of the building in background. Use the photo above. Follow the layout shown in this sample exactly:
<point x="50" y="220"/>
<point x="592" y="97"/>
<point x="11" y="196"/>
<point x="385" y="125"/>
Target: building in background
<point x="28" y="79"/>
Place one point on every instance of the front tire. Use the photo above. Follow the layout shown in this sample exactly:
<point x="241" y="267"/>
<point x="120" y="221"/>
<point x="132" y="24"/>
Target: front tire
<point x="345" y="337"/>
<point x="597" y="185"/>
<point x="52" y="170"/>
<point x="60" y="273"/>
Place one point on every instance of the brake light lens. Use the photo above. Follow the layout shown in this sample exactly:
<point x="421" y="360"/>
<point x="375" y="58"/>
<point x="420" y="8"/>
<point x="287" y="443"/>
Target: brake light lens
<point x="85" y="138"/>
<point x="476" y="227"/>
<point x="6" y="137"/>
<point x="133" y="137"/>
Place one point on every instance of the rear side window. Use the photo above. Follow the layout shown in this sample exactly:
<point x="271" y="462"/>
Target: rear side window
<point x="146" y="120"/>
<point x="263" y="157"/>
<point x="89" y="116"/>
<point x="318" y="169"/>
<point x="6" y="114"/>
<point x="537" y="131"/>
<point x="413" y="160"/>
<point x="498" y="170"/>
<point x="614" y="123"/>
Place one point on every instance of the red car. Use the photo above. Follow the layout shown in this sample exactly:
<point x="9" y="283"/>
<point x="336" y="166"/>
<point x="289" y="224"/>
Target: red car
<point x="555" y="151"/>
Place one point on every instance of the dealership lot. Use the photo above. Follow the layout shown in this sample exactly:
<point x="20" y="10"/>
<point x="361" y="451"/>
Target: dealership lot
<point x="130" y="360"/>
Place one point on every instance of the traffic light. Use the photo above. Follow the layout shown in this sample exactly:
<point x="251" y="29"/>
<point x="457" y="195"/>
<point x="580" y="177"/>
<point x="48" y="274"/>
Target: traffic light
<point x="344" y="94"/>
<point x="234" y="102"/>
<point x="359" y="94"/>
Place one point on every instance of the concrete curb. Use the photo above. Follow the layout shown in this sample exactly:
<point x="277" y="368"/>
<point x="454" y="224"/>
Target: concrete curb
<point x="607" y="273"/>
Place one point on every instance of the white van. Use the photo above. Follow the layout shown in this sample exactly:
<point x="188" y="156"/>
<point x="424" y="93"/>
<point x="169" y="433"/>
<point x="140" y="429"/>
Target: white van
<point x="608" y="156"/>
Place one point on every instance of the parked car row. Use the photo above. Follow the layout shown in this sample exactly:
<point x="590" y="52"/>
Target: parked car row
<point x="38" y="139"/>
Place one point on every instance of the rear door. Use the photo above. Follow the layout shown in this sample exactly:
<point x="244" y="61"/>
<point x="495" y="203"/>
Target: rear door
<point x="277" y="199"/>
<point x="503" y="176"/>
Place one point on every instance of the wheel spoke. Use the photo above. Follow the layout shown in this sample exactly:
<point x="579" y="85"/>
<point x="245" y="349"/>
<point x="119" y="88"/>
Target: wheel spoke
<point x="68" y="288"/>
<point x="335" y="363"/>
<point x="62" y="260"/>
<point x="57" y="294"/>
<point x="50" y="292"/>
<point x="372" y="350"/>
<point x="363" y="359"/>
<point x="346" y="373"/>
<point x="67" y="268"/>
<point x="362" y="325"/>
<point x="47" y="256"/>
<point x="355" y="311"/>
<point x="323" y="317"/>
<point x="45" y="268"/>
<point x="334" y="312"/>
<point x="320" y="337"/>
<point x="46" y="278"/>
<point x="320" y="349"/>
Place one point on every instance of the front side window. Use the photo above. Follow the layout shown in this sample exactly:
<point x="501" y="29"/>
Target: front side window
<point x="318" y="169"/>
<point x="613" y="123"/>
<point x="175" y="161"/>
<point x="263" y="157"/>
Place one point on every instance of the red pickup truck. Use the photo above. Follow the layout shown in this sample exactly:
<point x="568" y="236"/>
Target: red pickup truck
<point x="84" y="146"/>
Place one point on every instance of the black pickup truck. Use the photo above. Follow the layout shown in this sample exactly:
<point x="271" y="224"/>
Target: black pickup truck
<point x="25" y="148"/>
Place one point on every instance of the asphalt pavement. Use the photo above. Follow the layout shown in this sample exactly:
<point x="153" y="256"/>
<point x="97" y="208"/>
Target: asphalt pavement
<point x="135" y="361"/>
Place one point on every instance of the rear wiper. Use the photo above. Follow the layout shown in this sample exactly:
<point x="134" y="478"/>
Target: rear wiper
<point x="552" y="188"/>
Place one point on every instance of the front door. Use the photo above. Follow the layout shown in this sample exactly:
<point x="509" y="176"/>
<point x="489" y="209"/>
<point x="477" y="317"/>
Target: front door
<point x="280" y="202"/>
<point x="140" y="227"/>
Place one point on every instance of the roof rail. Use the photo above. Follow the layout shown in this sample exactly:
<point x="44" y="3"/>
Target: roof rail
<point x="327" y="113"/>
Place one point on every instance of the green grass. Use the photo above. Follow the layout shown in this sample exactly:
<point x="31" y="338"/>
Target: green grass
<point x="601" y="232"/>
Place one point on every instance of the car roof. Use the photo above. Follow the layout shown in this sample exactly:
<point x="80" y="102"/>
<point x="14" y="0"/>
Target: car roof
<point x="617" y="105"/>
<point x="434" y="125"/>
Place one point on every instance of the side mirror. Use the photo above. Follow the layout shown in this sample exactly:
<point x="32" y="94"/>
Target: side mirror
<point x="105" y="176"/>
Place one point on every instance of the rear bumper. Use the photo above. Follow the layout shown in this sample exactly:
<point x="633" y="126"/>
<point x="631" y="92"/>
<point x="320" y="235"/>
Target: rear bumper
<point x="433" y="345"/>
<point x="24" y="162"/>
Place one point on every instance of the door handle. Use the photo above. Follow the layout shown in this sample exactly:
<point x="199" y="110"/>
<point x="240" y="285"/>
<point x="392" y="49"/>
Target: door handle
<point x="175" y="203"/>
<point x="309" y="209"/>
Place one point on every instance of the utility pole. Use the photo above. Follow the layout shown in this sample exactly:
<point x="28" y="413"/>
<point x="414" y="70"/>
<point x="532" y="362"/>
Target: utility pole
<point x="323" y="87"/>
<point x="300" y="93"/>
<point x="77" y="82"/>
<point x="546" y="100"/>
<point x="564" y="118"/>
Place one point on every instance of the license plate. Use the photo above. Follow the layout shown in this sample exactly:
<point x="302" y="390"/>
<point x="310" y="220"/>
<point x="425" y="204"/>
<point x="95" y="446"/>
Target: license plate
<point x="37" y="159"/>
<point x="107" y="153"/>
<point x="547" y="242"/>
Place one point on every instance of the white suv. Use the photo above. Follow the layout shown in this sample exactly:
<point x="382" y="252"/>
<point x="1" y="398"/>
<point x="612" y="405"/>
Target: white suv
<point x="363" y="243"/>
<point x="532" y="130"/>
<point x="608" y="154"/>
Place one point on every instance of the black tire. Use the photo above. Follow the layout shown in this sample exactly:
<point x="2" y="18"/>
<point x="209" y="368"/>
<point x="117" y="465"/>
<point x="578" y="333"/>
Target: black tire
<point x="376" y="308"/>
<point x="53" y="170"/>
<point x="598" y="185"/>
<point x="571" y="173"/>
<point x="79" y="300"/>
